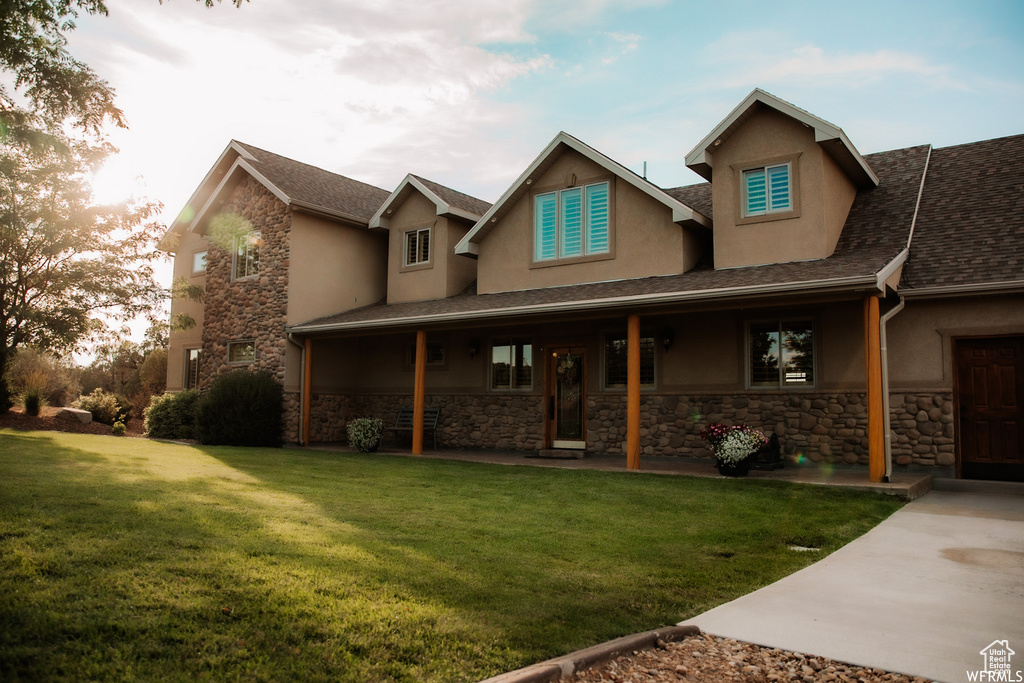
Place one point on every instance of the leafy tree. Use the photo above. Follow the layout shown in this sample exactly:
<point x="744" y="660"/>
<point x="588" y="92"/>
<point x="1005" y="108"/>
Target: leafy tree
<point x="62" y="259"/>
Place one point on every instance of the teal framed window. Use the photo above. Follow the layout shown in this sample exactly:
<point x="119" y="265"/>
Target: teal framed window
<point x="572" y="223"/>
<point x="767" y="190"/>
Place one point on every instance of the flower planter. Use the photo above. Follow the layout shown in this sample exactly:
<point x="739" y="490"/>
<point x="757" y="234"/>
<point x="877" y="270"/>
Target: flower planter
<point x="739" y="469"/>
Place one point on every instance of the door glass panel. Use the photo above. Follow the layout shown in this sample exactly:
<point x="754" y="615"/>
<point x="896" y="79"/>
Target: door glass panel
<point x="568" y="395"/>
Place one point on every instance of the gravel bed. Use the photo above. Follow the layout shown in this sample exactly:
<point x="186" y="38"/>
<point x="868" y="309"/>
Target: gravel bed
<point x="710" y="658"/>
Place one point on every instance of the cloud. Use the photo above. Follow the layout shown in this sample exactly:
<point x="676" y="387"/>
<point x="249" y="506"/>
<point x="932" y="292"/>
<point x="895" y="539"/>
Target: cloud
<point x="745" y="58"/>
<point x="626" y="42"/>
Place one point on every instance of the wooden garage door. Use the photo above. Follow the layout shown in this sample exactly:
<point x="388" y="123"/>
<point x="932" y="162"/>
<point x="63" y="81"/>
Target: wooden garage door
<point x="990" y="400"/>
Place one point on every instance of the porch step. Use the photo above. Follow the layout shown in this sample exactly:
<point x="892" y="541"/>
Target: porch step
<point x="1010" y="488"/>
<point x="559" y="454"/>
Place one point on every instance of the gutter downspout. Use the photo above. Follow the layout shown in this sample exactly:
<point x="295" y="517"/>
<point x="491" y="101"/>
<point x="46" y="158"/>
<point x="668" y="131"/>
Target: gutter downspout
<point x="302" y="379"/>
<point x="885" y="385"/>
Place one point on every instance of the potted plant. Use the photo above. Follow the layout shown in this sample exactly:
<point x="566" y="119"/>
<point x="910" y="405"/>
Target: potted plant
<point x="364" y="434"/>
<point x="734" y="448"/>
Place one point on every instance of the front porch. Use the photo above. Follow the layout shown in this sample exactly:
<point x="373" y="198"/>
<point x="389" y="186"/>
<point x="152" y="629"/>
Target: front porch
<point x="907" y="484"/>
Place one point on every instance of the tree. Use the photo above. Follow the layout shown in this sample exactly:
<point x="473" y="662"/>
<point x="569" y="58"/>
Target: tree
<point x="62" y="260"/>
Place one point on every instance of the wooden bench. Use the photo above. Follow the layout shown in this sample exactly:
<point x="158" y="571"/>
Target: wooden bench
<point x="403" y="423"/>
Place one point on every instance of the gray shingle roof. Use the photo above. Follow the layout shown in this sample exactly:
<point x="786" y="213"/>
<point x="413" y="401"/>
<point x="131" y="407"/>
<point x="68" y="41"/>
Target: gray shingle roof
<point x="876" y="231"/>
<point x="316" y="187"/>
<point x="970" y="226"/>
<point x="456" y="199"/>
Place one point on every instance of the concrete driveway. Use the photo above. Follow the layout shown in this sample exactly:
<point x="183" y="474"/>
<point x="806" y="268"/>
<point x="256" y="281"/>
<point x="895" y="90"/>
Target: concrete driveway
<point x="922" y="593"/>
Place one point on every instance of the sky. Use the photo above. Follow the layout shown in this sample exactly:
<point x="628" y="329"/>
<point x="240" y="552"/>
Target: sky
<point x="468" y="92"/>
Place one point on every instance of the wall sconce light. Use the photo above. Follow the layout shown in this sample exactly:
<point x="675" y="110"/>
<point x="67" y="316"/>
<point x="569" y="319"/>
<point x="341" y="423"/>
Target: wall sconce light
<point x="667" y="337"/>
<point x="474" y="348"/>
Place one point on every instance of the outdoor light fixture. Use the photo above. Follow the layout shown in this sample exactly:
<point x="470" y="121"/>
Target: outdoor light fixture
<point x="474" y="348"/>
<point x="667" y="337"/>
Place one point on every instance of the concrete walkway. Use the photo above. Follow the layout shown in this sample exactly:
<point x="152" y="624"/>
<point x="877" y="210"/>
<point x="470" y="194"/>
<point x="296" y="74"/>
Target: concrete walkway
<point x="922" y="593"/>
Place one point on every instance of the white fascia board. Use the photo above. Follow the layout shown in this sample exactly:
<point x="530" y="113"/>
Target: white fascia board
<point x="867" y="282"/>
<point x="378" y="220"/>
<point x="823" y="130"/>
<point x="441" y="206"/>
<point x="231" y="146"/>
<point x="240" y="164"/>
<point x="680" y="212"/>
<point x="887" y="272"/>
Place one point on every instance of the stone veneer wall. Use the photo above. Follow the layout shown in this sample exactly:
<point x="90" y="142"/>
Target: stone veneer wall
<point x="823" y="427"/>
<point x="253" y="307"/>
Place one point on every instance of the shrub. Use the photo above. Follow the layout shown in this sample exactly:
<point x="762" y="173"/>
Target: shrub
<point x="33" y="394"/>
<point x="172" y="416"/>
<point x="241" y="408"/>
<point x="102" y="404"/>
<point x="125" y="409"/>
<point x="44" y="371"/>
<point x="364" y="433"/>
<point x="118" y="429"/>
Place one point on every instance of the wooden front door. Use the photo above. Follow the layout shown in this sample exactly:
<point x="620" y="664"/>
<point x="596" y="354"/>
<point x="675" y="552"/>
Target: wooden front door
<point x="990" y="401"/>
<point x="566" y="398"/>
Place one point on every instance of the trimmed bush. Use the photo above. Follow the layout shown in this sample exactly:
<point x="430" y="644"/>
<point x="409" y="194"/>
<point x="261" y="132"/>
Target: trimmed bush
<point x="172" y="416"/>
<point x="118" y="429"/>
<point x="364" y="434"/>
<point x="241" y="408"/>
<point x="102" y="404"/>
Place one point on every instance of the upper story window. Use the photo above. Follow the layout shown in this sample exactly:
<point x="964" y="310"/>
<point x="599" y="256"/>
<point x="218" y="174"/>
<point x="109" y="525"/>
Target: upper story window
<point x="417" y="247"/>
<point x="616" y="361"/>
<point x="767" y="190"/>
<point x="571" y="223"/>
<point x="199" y="262"/>
<point x="781" y="354"/>
<point x="511" y="365"/>
<point x="246" y="259"/>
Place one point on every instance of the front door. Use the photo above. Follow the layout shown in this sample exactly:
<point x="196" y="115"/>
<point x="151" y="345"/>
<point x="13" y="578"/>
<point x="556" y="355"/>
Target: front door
<point x="990" y="401"/>
<point x="566" y="399"/>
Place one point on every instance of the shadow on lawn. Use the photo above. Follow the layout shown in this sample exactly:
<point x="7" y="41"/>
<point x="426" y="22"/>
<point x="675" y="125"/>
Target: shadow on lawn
<point x="375" y="566"/>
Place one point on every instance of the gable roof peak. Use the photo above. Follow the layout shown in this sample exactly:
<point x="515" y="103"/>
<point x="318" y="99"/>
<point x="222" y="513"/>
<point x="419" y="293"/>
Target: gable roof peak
<point x="448" y="202"/>
<point x="681" y="213"/>
<point x="829" y="136"/>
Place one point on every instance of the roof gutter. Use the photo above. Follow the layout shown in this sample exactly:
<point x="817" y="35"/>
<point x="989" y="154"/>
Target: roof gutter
<point x="858" y="282"/>
<point x="972" y="289"/>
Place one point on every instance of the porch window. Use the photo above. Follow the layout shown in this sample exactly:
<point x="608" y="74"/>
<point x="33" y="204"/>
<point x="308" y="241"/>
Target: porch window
<point x="781" y="354"/>
<point x="572" y="222"/>
<point x="247" y="255"/>
<point x="511" y="365"/>
<point x="192" y="368"/>
<point x="616" y="359"/>
<point x="435" y="355"/>
<point x="241" y="352"/>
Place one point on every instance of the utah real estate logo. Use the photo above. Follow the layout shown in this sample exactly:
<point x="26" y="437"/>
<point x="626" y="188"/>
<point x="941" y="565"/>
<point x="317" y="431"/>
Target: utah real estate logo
<point x="997" y="667"/>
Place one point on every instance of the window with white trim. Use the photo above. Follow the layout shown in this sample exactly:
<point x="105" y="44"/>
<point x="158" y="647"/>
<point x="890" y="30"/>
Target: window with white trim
<point x="199" y="262"/>
<point x="247" y="254"/>
<point x="242" y="351"/>
<point x="511" y="365"/>
<point x="767" y="190"/>
<point x="192" y="368"/>
<point x="781" y="354"/>
<point x="572" y="222"/>
<point x="616" y="359"/>
<point x="417" y="247"/>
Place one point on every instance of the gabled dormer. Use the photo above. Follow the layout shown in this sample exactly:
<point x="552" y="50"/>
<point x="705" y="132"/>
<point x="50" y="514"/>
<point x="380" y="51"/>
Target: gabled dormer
<point x="424" y="221"/>
<point x="576" y="216"/>
<point x="782" y="183"/>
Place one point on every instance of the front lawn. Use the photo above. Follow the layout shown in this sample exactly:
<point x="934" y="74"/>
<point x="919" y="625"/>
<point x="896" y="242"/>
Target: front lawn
<point x="125" y="559"/>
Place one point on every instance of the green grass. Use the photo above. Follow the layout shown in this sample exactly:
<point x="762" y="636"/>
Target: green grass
<point x="125" y="559"/>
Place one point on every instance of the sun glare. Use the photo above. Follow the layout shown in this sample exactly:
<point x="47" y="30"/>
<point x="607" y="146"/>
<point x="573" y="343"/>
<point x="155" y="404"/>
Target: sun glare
<point x="115" y="182"/>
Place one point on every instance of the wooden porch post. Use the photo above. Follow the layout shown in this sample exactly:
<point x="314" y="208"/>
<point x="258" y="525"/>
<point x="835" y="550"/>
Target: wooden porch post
<point x="419" y="392"/>
<point x="307" y="389"/>
<point x="873" y="357"/>
<point x="633" y="393"/>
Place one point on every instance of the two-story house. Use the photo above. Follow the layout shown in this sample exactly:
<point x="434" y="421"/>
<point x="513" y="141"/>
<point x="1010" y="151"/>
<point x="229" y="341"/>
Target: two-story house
<point x="865" y="308"/>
